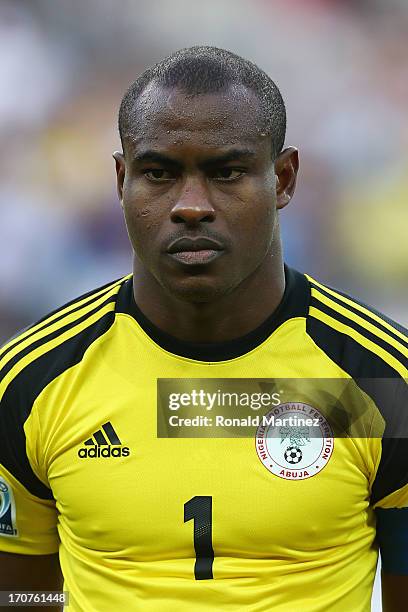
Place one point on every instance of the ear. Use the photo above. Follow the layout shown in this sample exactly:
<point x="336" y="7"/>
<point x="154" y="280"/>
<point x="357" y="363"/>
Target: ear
<point x="286" y="169"/>
<point x="120" y="172"/>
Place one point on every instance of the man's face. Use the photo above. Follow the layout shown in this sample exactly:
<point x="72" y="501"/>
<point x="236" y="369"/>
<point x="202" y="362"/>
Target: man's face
<point x="198" y="190"/>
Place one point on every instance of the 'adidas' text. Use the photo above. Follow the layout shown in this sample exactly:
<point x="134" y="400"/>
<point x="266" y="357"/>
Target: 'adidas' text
<point x="104" y="451"/>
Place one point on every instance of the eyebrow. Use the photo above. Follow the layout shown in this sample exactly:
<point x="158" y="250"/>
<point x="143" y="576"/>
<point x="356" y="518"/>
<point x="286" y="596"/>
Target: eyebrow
<point x="154" y="156"/>
<point x="233" y="154"/>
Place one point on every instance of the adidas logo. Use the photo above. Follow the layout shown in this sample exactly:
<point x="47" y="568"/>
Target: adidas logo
<point x="104" y="443"/>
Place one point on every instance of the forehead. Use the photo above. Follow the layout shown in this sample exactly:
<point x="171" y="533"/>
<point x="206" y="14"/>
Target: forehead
<point x="170" y="115"/>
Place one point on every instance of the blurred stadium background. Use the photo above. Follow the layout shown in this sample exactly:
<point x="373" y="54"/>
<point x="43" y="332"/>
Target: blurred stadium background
<point x="342" y="68"/>
<point x="343" y="71"/>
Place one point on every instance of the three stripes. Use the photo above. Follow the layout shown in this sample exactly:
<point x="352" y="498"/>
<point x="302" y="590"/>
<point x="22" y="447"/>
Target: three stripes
<point x="55" y="329"/>
<point x="363" y="325"/>
<point x="100" y="440"/>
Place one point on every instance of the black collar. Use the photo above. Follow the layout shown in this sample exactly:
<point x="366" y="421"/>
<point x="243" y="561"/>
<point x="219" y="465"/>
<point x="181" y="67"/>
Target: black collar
<point x="294" y="303"/>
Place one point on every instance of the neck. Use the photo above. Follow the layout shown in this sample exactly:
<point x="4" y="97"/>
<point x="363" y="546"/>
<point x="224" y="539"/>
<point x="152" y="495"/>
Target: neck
<point x="231" y="316"/>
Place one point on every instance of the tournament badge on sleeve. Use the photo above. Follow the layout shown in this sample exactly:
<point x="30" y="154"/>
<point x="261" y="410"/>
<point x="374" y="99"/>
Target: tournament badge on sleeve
<point x="295" y="441"/>
<point x="7" y="510"/>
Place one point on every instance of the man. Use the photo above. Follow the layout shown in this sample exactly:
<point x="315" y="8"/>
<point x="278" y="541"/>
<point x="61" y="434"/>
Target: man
<point x="145" y="522"/>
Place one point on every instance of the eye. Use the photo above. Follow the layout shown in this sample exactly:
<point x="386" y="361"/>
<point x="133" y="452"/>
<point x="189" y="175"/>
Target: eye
<point x="157" y="175"/>
<point x="227" y="174"/>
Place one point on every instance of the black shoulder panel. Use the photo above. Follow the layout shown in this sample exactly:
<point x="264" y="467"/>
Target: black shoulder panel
<point x="22" y="391"/>
<point x="57" y="315"/>
<point x="392" y="473"/>
<point x="350" y="355"/>
<point x="390" y="394"/>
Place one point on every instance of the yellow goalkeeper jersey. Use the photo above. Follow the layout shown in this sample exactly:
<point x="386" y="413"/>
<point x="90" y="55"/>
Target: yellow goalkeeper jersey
<point x="199" y="522"/>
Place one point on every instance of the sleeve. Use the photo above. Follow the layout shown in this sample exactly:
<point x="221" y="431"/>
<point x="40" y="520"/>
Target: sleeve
<point x="28" y="515"/>
<point x="389" y="495"/>
<point x="27" y="522"/>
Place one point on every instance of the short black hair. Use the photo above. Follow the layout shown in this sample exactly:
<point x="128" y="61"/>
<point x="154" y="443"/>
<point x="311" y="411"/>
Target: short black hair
<point x="199" y="70"/>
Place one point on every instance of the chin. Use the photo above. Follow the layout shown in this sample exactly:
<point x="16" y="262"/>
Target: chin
<point x="196" y="290"/>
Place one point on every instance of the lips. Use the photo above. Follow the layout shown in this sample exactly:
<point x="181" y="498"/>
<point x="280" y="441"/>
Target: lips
<point x="194" y="244"/>
<point x="195" y="251"/>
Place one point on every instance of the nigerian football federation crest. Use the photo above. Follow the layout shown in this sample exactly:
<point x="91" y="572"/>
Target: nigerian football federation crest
<point x="294" y="441"/>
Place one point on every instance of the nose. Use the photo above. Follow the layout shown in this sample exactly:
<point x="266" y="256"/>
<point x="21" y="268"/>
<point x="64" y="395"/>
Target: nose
<point x="193" y="206"/>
